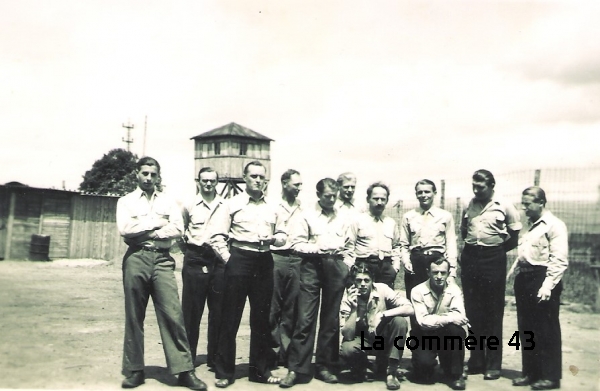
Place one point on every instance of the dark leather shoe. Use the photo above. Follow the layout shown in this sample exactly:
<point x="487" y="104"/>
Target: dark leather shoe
<point x="136" y="378"/>
<point x="458" y="384"/>
<point x="545" y="385"/>
<point x="474" y="370"/>
<point x="189" y="380"/>
<point x="289" y="380"/>
<point x="491" y="375"/>
<point x="326" y="376"/>
<point x="521" y="381"/>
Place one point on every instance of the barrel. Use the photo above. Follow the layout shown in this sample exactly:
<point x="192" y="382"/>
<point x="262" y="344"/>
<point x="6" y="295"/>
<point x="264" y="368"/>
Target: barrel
<point x="39" y="248"/>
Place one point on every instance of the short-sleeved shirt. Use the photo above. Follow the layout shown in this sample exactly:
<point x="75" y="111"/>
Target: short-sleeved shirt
<point x="431" y="310"/>
<point x="546" y="243"/>
<point x="136" y="215"/>
<point x="432" y="229"/>
<point x="487" y="225"/>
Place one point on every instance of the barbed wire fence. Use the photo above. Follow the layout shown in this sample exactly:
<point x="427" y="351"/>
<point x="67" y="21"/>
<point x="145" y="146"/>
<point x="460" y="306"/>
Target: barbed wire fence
<point x="573" y="196"/>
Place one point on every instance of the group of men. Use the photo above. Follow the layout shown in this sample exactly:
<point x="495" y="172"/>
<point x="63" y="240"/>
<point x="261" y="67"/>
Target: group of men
<point x="293" y="262"/>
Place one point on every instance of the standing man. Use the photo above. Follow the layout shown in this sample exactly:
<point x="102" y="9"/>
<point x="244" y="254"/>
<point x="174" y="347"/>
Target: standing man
<point x="203" y="272"/>
<point x="426" y="233"/>
<point x="148" y="220"/>
<point x="322" y="239"/>
<point x="249" y="225"/>
<point x="376" y="238"/>
<point x="372" y="311"/>
<point x="541" y="264"/>
<point x="490" y="228"/>
<point x="347" y="185"/>
<point x="440" y="315"/>
<point x="286" y="273"/>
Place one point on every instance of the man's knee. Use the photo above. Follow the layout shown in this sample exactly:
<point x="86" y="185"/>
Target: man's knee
<point x="350" y="349"/>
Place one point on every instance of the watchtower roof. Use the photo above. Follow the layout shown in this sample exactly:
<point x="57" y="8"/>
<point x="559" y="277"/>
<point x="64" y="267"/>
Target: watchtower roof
<point x="232" y="129"/>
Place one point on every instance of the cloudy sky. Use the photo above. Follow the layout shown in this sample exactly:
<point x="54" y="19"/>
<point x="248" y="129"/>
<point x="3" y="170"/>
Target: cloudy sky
<point x="392" y="90"/>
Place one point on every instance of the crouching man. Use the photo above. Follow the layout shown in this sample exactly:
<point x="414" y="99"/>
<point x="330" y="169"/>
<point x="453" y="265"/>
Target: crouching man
<point x="371" y="317"/>
<point x="440" y="314"/>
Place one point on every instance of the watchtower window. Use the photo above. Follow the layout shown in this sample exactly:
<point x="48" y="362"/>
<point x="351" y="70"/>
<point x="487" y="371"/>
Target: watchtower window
<point x="243" y="149"/>
<point x="217" y="148"/>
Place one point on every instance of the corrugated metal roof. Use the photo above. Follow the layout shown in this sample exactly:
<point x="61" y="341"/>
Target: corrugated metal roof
<point x="232" y="129"/>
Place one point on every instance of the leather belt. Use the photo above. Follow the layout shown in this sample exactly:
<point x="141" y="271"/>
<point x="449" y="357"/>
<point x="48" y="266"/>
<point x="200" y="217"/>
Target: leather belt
<point x="151" y="249"/>
<point x="250" y="246"/>
<point x="420" y="251"/>
<point x="528" y="268"/>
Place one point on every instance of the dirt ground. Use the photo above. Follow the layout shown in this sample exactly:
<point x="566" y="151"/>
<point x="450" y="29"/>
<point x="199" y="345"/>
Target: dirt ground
<point x="61" y="327"/>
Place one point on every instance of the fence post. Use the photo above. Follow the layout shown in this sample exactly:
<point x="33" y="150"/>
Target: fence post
<point x="536" y="178"/>
<point x="443" y="195"/>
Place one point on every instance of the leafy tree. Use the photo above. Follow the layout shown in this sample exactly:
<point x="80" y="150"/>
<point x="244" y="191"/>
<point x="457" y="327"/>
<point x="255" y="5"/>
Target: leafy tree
<point x="114" y="174"/>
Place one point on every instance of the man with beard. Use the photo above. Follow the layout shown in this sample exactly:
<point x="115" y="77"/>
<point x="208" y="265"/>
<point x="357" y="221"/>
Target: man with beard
<point x="376" y="238"/>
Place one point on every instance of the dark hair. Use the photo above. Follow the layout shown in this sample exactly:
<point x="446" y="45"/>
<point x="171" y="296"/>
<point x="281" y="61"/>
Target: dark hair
<point x="147" y="161"/>
<point x="538" y="194"/>
<point x="254" y="163"/>
<point x="438" y="261"/>
<point x="378" y="184"/>
<point x="426" y="182"/>
<point x="327" y="182"/>
<point x="362" y="268"/>
<point x="208" y="169"/>
<point x="288" y="174"/>
<point x="345" y="176"/>
<point x="484" y="176"/>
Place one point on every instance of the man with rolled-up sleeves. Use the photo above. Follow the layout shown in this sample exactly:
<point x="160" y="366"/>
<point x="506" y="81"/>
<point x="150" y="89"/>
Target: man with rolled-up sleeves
<point x="490" y="228"/>
<point x="246" y="227"/>
<point x="322" y="239"/>
<point x="149" y="220"/>
<point x="203" y="272"/>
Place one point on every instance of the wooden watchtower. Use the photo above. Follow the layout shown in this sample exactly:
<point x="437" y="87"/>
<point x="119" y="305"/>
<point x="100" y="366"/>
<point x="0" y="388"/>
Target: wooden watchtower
<point x="228" y="149"/>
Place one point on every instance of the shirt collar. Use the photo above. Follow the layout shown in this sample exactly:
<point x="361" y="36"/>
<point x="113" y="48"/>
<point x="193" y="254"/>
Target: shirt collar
<point x="200" y="200"/>
<point x="375" y="218"/>
<point x="287" y="206"/>
<point x="341" y="202"/>
<point x="247" y="198"/>
<point x="140" y="193"/>
<point x="546" y="214"/>
<point x="432" y="211"/>
<point x="320" y="211"/>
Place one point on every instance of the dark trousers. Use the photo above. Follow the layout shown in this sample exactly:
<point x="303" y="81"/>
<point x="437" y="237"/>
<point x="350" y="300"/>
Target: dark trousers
<point x="203" y="282"/>
<point x="286" y="286"/>
<point x="148" y="274"/>
<point x="322" y="279"/>
<point x="352" y="351"/>
<point x="484" y="284"/>
<point x="544" y="361"/>
<point x="451" y="357"/>
<point x="420" y="262"/>
<point x="248" y="274"/>
<point x="382" y="269"/>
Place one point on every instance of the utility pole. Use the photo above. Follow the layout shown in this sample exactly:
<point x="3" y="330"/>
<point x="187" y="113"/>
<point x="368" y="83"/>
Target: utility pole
<point x="145" y="127"/>
<point x="128" y="140"/>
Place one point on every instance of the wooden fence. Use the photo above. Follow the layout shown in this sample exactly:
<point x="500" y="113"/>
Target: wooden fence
<point x="79" y="226"/>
